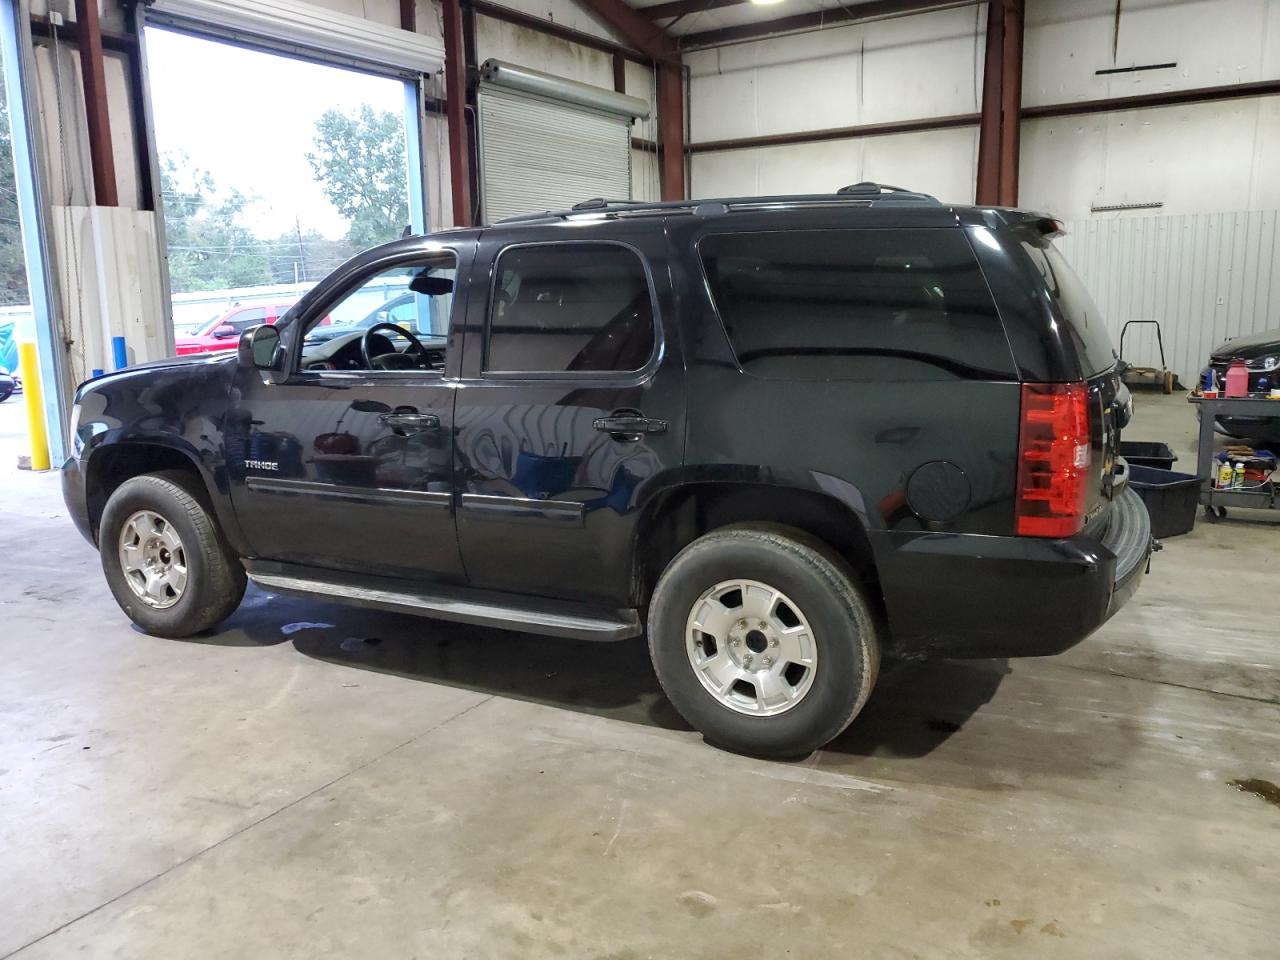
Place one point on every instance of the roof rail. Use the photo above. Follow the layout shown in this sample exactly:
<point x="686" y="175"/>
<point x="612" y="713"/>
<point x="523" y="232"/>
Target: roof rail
<point x="858" y="194"/>
<point x="600" y="203"/>
<point x="869" y="189"/>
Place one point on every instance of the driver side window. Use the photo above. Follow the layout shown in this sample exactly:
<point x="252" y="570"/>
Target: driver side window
<point x="395" y="319"/>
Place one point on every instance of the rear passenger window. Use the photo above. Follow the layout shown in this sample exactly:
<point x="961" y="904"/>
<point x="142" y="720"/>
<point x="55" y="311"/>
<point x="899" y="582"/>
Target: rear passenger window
<point x="856" y="305"/>
<point x="570" y="308"/>
<point x="1084" y="320"/>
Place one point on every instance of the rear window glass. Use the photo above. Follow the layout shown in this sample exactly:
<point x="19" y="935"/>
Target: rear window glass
<point x="1084" y="320"/>
<point x="856" y="305"/>
<point x="570" y="308"/>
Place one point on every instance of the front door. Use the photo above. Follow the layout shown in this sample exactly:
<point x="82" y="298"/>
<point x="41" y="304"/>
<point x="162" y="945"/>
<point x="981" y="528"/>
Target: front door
<point x="571" y="410"/>
<point x="347" y="461"/>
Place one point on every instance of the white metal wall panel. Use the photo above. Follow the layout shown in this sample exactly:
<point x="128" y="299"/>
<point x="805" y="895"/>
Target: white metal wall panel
<point x="538" y="155"/>
<point x="1205" y="277"/>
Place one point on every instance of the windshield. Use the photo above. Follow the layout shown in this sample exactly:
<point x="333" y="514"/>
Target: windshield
<point x="1084" y="320"/>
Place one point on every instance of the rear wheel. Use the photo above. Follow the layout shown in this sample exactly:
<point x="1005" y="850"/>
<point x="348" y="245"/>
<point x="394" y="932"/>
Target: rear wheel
<point x="165" y="560"/>
<point x="763" y="641"/>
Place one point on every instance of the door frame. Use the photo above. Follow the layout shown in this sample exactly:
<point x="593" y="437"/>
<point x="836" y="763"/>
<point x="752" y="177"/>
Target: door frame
<point x="34" y="214"/>
<point x="414" y="113"/>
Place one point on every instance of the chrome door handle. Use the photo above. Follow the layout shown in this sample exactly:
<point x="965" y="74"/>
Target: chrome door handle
<point x="405" y="423"/>
<point x="629" y="427"/>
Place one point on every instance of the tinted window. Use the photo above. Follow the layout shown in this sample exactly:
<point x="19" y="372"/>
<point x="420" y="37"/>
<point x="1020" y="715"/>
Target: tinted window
<point x="576" y="307"/>
<point x="1084" y="320"/>
<point x="856" y="305"/>
<point x="245" y="319"/>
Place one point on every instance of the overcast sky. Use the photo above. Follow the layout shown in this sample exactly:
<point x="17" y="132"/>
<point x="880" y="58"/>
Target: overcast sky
<point x="249" y="117"/>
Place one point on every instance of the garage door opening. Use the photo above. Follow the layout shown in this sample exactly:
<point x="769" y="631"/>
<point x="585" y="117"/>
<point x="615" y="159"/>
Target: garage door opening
<point x="273" y="171"/>
<point x="31" y="377"/>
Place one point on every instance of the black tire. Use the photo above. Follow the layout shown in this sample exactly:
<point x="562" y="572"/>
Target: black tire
<point x="215" y="576"/>
<point x="5" y="395"/>
<point x="821" y="584"/>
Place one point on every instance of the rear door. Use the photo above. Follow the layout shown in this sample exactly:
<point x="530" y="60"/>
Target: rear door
<point x="570" y="410"/>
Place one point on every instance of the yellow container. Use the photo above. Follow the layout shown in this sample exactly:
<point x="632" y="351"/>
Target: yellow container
<point x="34" y="400"/>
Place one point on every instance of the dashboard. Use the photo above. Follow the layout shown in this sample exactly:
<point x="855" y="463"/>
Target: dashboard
<point x="343" y="353"/>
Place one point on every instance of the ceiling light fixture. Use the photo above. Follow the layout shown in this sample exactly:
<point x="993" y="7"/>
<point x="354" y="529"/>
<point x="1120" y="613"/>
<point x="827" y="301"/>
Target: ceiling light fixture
<point x="765" y="3"/>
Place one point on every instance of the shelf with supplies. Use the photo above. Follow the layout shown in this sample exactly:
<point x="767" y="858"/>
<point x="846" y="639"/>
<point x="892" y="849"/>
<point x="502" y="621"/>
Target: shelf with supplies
<point x="1256" y="493"/>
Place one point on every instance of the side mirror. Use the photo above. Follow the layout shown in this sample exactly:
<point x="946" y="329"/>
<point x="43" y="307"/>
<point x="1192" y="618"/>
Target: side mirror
<point x="260" y="347"/>
<point x="224" y="330"/>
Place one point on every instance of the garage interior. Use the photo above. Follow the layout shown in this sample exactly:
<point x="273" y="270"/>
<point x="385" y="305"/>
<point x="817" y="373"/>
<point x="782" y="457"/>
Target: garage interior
<point x="318" y="780"/>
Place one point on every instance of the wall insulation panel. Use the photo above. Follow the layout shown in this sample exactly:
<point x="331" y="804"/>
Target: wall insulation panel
<point x="1205" y="277"/>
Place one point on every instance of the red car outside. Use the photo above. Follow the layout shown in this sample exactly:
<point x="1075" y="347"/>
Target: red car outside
<point x="223" y="332"/>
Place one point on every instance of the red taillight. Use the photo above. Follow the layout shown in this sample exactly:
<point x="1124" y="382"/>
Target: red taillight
<point x="1053" y="459"/>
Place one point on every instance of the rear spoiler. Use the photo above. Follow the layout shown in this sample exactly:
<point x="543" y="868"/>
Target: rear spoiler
<point x="1041" y="224"/>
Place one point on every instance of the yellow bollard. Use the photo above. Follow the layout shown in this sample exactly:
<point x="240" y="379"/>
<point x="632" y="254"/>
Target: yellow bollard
<point x="31" y="396"/>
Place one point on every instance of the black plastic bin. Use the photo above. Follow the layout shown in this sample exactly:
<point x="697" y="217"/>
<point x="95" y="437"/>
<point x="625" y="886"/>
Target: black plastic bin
<point x="1172" y="498"/>
<point x="1144" y="453"/>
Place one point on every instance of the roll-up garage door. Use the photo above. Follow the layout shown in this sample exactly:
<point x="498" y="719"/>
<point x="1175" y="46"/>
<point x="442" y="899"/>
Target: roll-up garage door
<point x="298" y="26"/>
<point x="546" y="143"/>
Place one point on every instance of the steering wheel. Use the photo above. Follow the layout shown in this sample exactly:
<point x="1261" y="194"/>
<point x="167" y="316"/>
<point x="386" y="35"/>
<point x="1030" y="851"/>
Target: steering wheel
<point x="393" y="360"/>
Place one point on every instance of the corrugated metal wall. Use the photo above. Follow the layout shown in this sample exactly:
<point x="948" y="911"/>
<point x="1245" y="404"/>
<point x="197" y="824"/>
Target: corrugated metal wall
<point x="1205" y="277"/>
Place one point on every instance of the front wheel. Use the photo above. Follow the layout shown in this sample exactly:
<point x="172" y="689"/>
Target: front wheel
<point x="165" y="559"/>
<point x="763" y="641"/>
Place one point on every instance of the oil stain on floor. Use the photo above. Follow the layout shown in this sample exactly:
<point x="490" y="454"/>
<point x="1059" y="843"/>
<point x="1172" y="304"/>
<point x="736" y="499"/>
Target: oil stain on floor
<point x="1265" y="789"/>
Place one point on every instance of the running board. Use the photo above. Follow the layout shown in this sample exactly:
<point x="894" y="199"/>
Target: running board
<point x="484" y="608"/>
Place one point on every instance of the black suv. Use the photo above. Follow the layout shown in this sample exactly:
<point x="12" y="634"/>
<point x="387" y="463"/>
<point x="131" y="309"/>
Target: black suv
<point x="783" y="437"/>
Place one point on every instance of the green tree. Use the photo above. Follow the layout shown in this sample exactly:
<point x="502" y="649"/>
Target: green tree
<point x="359" y="160"/>
<point x="209" y="247"/>
<point x="13" y="267"/>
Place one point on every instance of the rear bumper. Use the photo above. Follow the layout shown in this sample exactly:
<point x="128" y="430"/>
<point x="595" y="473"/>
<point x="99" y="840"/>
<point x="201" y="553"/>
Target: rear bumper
<point x="965" y="595"/>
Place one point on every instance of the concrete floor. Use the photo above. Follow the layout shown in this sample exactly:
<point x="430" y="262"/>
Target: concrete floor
<point x="314" y="781"/>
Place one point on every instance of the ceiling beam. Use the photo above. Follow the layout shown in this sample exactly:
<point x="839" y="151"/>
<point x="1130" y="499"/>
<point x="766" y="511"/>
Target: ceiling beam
<point x="517" y="18"/>
<point x="817" y="20"/>
<point x="680" y="8"/>
<point x="653" y="41"/>
<point x="636" y="29"/>
<point x="1074" y="108"/>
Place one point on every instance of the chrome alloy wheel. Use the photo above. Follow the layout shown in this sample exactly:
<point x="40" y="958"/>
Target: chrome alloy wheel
<point x="751" y="647"/>
<point x="153" y="559"/>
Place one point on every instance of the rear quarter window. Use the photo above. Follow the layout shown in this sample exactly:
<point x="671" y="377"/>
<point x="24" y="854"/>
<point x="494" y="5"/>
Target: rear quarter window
<point x="1083" y="318"/>
<point x="856" y="305"/>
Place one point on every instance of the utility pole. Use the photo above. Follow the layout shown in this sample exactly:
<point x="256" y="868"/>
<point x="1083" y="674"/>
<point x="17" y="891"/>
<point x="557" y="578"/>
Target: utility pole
<point x="302" y="256"/>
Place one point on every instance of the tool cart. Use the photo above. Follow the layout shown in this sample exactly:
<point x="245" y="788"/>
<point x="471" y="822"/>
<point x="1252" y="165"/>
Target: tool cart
<point x="1256" y="494"/>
